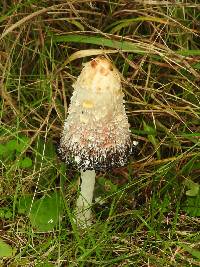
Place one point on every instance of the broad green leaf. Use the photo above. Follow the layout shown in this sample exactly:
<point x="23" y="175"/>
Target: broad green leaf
<point x="46" y="211"/>
<point x="5" y="249"/>
<point x="2" y="149"/>
<point x="8" y="214"/>
<point x="25" y="163"/>
<point x="24" y="204"/>
<point x="11" y="145"/>
<point x="50" y="150"/>
<point x="193" y="188"/>
<point x="45" y="151"/>
<point x="5" y="213"/>
<point x="107" y="184"/>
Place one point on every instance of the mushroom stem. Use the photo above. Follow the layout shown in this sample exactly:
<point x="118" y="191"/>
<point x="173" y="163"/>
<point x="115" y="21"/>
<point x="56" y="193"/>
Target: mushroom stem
<point x="84" y="201"/>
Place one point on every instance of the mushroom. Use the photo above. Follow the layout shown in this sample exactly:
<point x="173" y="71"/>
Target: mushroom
<point x="96" y="134"/>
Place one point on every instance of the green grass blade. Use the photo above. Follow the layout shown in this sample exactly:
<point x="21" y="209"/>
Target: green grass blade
<point x="121" y="45"/>
<point x="97" y="40"/>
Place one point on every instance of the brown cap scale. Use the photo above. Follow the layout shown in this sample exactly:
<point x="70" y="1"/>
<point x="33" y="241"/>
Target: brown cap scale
<point x="96" y="133"/>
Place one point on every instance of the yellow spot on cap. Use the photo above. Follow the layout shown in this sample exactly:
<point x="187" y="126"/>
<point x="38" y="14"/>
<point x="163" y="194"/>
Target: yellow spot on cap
<point x="88" y="104"/>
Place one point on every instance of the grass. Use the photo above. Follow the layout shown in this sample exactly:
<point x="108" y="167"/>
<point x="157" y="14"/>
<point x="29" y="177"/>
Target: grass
<point x="149" y="210"/>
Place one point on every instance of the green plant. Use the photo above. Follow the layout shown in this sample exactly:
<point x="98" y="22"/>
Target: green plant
<point x="148" y="213"/>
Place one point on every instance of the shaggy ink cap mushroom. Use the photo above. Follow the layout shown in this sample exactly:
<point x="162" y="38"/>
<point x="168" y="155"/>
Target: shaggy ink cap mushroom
<point x="96" y="133"/>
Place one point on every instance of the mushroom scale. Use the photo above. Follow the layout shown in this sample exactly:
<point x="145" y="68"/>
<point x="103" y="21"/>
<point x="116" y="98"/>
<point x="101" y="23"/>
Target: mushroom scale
<point x="96" y="133"/>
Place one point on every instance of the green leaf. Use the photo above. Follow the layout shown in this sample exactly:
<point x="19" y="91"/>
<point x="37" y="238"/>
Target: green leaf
<point x="8" y="214"/>
<point x="11" y="145"/>
<point x="193" y="188"/>
<point x="189" y="52"/>
<point x="122" y="45"/>
<point x="192" y="206"/>
<point x="5" y="249"/>
<point x="194" y="252"/>
<point x="2" y="149"/>
<point x="45" y="151"/>
<point x="107" y="184"/>
<point x="25" y="163"/>
<point x="50" y="150"/>
<point x="148" y="129"/>
<point x="46" y="211"/>
<point x="76" y="23"/>
<point x="24" y="204"/>
<point x="2" y="213"/>
<point x="99" y="40"/>
<point x="5" y="213"/>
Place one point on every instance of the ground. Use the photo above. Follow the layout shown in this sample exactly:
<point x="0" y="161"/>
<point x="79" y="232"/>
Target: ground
<point x="145" y="213"/>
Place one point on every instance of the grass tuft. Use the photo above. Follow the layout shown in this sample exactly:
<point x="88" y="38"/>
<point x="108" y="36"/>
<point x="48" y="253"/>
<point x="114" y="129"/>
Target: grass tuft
<point x="147" y="213"/>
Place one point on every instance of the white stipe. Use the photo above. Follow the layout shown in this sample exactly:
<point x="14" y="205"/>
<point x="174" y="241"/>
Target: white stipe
<point x="84" y="201"/>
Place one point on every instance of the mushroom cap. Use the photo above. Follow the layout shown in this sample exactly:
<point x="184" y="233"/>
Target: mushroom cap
<point x="96" y="133"/>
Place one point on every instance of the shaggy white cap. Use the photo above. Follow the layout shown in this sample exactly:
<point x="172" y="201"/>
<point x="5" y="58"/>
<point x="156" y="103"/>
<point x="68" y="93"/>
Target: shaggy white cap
<point x="96" y="132"/>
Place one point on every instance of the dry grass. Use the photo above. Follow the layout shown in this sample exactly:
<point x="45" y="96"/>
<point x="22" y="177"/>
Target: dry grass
<point x="146" y="218"/>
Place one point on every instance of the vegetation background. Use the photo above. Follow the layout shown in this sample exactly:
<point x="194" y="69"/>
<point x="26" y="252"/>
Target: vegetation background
<point x="147" y="213"/>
